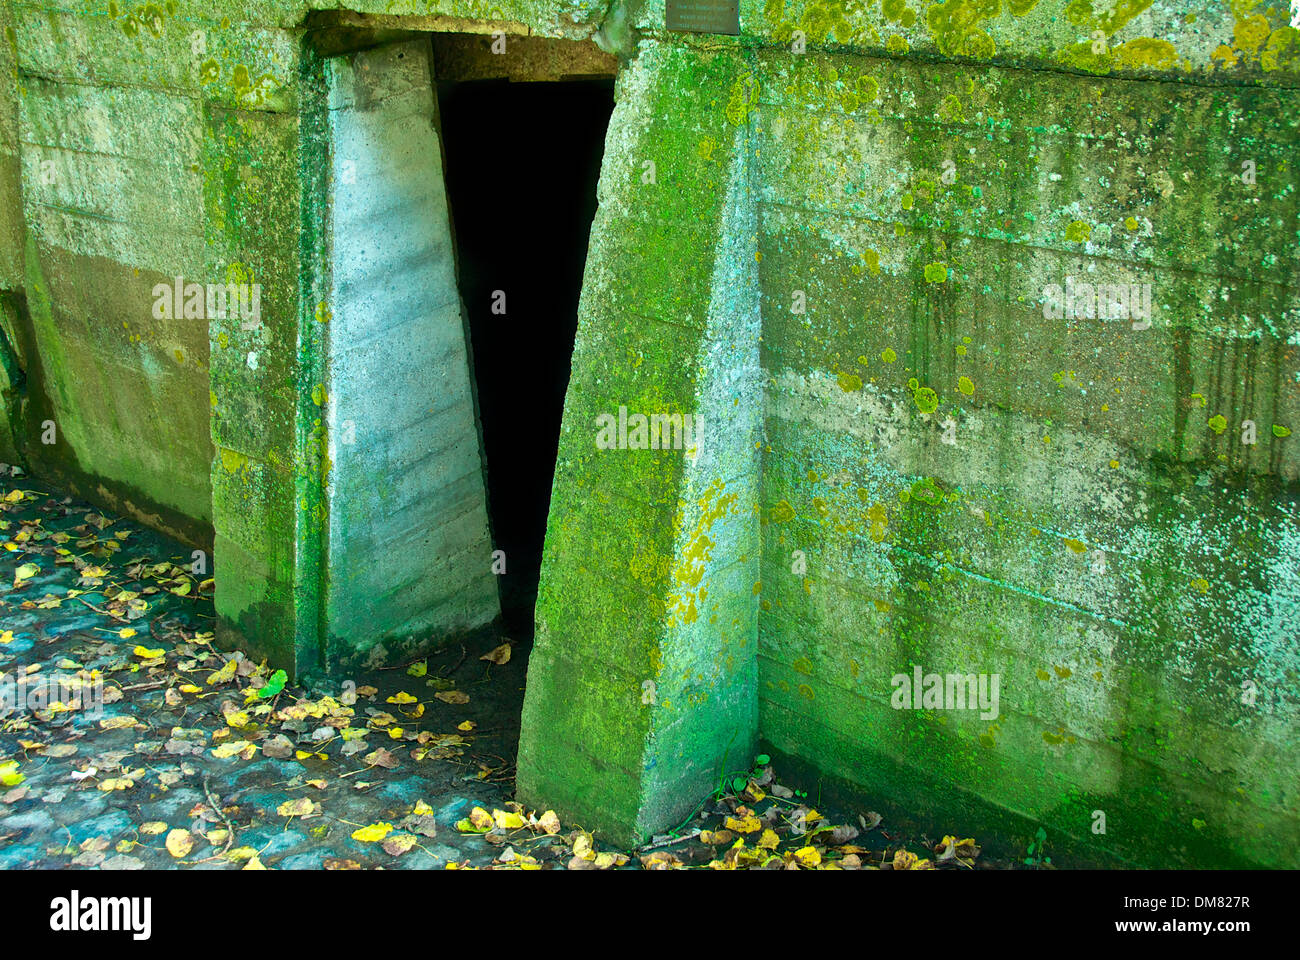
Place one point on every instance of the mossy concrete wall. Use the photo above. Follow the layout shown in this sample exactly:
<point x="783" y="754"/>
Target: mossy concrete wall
<point x="971" y="485"/>
<point x="950" y="479"/>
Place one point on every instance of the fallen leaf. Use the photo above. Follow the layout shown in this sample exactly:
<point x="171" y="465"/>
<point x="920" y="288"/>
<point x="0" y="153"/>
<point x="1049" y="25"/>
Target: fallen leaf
<point x="373" y="833"/>
<point x="179" y="843"/>
<point x="302" y="807"/>
<point x="399" y="844"/>
<point x="498" y="655"/>
<point x="452" y="696"/>
<point x="549" y="822"/>
<point x="506" y="820"/>
<point x="382" y="758"/>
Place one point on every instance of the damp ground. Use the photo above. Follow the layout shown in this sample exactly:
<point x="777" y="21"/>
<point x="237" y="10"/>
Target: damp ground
<point x="129" y="741"/>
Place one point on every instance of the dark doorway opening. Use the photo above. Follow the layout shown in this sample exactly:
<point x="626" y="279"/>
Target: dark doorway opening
<point x="521" y="165"/>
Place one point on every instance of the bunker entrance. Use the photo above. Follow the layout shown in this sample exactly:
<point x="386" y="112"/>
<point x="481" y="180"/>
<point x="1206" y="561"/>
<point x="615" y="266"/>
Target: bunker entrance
<point x="521" y="164"/>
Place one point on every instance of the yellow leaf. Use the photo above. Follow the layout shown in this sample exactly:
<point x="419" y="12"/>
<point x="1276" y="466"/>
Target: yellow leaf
<point x="747" y="825"/>
<point x="769" y="840"/>
<point x="121" y="783"/>
<point x="422" y="809"/>
<point x="6" y="636"/>
<point x="223" y="675"/>
<point x="402" y="697"/>
<point x="117" y="723"/>
<point x="235" y="748"/>
<point x="145" y="653"/>
<point x="189" y="688"/>
<point x="238" y="718"/>
<point x="179" y="843"/>
<point x="506" y="820"/>
<point x="9" y="775"/>
<point x="395" y="732"/>
<point x="373" y="833"/>
<point x="254" y="863"/>
<point x="481" y="819"/>
<point x="418" y="669"/>
<point x="466" y="725"/>
<point x="295" y="808"/>
<point x="153" y="827"/>
<point x="126" y="633"/>
<point x="808" y="856"/>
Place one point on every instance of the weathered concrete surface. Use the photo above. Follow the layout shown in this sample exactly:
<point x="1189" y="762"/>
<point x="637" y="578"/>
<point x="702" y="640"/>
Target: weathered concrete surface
<point x="641" y="683"/>
<point x="1097" y="534"/>
<point x="409" y="547"/>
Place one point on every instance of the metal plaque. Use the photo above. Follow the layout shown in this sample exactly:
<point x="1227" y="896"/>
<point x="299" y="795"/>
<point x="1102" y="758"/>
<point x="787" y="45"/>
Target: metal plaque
<point x="703" y="16"/>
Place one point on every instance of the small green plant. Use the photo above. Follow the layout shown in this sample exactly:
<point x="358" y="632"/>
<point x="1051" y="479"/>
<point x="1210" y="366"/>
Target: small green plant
<point x="1034" y="855"/>
<point x="739" y="779"/>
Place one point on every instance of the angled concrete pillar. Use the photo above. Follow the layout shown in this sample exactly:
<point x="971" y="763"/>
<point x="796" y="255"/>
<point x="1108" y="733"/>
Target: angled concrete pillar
<point x="642" y="684"/>
<point x="409" y="548"/>
<point x="350" y="507"/>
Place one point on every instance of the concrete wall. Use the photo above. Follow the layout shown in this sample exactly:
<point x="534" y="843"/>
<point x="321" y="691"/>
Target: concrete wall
<point x="1093" y="534"/>
<point x="1096" y="532"/>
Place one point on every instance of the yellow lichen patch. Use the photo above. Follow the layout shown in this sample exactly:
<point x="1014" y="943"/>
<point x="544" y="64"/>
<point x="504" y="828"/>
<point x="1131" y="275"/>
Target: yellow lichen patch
<point x="1078" y="231"/>
<point x="879" y="518"/>
<point x="966" y="385"/>
<point x="849" y="382"/>
<point x="936" y="272"/>
<point x="231" y="460"/>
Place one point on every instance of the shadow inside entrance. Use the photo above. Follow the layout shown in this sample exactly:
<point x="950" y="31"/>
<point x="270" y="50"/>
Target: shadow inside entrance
<point x="521" y="165"/>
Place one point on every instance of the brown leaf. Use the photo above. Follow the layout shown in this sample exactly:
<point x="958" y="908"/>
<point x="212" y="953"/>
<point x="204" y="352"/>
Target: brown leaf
<point x="498" y="655"/>
<point x="278" y="747"/>
<point x="382" y="758"/>
<point x="452" y="696"/>
<point x="398" y="843"/>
